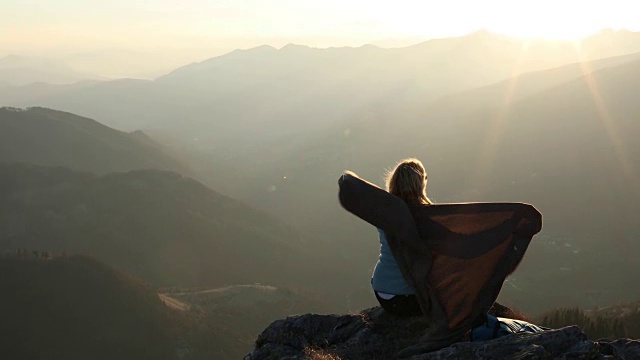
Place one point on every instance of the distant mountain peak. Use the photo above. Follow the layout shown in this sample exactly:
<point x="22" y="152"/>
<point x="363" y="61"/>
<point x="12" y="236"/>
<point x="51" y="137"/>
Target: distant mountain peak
<point x="261" y="48"/>
<point x="15" y="60"/>
<point x="258" y="50"/>
<point x="13" y="57"/>
<point x="608" y="31"/>
<point x="616" y="33"/>
<point x="292" y="46"/>
<point x="12" y="109"/>
<point x="482" y="32"/>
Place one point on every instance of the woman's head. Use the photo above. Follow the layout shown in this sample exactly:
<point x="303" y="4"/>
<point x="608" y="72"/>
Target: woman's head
<point x="408" y="180"/>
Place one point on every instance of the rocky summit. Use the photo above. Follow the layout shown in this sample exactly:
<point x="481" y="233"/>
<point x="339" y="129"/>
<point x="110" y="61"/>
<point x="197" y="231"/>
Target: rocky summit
<point x="374" y="334"/>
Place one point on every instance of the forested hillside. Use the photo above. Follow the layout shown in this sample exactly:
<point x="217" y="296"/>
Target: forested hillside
<point x="78" y="308"/>
<point x="54" y="138"/>
<point x="157" y="225"/>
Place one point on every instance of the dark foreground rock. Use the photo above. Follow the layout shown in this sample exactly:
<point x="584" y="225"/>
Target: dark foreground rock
<point x="374" y="334"/>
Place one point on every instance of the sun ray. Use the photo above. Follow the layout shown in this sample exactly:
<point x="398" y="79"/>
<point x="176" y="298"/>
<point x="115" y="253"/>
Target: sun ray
<point x="498" y="126"/>
<point x="605" y="117"/>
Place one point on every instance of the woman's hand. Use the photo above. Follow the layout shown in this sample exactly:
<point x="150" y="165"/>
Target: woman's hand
<point x="347" y="174"/>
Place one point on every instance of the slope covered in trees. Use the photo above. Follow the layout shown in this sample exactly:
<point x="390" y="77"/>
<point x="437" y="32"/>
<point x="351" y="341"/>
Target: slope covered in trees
<point x="157" y="225"/>
<point x="241" y="312"/>
<point x="77" y="308"/>
<point x="54" y="138"/>
<point x="615" y="321"/>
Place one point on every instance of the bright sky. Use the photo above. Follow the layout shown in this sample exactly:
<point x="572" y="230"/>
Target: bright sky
<point x="127" y="22"/>
<point x="90" y="25"/>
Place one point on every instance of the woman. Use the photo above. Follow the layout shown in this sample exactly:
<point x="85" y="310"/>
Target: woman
<point x="408" y="181"/>
<point x="476" y="255"/>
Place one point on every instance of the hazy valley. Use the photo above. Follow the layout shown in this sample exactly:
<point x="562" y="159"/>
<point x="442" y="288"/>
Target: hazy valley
<point x="215" y="184"/>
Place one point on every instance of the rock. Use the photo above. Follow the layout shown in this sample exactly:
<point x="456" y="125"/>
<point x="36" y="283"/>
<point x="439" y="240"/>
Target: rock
<point x="374" y="334"/>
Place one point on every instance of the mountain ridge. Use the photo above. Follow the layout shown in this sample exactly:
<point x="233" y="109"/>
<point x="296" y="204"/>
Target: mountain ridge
<point x="157" y="225"/>
<point x="23" y="70"/>
<point x="285" y="86"/>
<point x="49" y="137"/>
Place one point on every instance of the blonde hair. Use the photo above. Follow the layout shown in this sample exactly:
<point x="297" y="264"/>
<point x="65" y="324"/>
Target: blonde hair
<point x="408" y="180"/>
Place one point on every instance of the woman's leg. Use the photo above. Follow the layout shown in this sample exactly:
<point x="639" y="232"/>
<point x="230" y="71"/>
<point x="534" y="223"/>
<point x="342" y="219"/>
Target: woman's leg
<point x="400" y="305"/>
